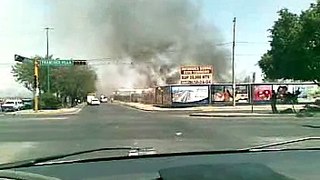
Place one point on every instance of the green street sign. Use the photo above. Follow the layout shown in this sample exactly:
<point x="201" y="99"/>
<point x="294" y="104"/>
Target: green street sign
<point x="56" y="62"/>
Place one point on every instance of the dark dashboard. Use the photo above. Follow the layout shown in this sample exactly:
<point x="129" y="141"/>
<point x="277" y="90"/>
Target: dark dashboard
<point x="282" y="165"/>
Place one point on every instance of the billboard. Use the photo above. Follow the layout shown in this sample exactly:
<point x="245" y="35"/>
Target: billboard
<point x="242" y="94"/>
<point x="308" y="93"/>
<point x="223" y="93"/>
<point x="262" y="92"/>
<point x="190" y="94"/>
<point x="201" y="74"/>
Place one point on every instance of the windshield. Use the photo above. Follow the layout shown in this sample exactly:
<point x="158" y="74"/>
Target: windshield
<point x="174" y="75"/>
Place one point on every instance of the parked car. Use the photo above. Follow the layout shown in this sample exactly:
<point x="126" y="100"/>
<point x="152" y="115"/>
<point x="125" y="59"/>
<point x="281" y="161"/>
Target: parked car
<point x="27" y="103"/>
<point x="1" y="102"/>
<point x="12" y="105"/>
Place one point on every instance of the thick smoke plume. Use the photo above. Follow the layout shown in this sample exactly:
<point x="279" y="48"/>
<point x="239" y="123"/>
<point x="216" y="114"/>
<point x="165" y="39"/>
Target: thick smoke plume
<point x="163" y="34"/>
<point x="156" y="35"/>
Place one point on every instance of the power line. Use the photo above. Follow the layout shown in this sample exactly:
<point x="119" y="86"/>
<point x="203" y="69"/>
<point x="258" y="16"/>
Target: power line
<point x="6" y="64"/>
<point x="248" y="42"/>
<point x="240" y="42"/>
<point x="100" y="59"/>
<point x="247" y="55"/>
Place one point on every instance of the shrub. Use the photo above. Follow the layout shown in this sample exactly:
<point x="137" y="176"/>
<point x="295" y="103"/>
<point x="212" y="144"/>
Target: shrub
<point x="49" y="101"/>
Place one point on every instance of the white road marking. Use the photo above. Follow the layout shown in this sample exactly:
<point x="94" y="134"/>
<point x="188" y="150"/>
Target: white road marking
<point x="17" y="118"/>
<point x="47" y="118"/>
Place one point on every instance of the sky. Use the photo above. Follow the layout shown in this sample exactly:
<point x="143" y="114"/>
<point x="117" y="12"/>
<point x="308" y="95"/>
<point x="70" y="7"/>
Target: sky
<point x="22" y="23"/>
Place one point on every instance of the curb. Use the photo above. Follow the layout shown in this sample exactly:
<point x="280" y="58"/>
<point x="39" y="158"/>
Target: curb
<point x="207" y="113"/>
<point x="239" y="115"/>
<point x="134" y="107"/>
<point x="75" y="111"/>
<point x="59" y="113"/>
<point x="156" y="110"/>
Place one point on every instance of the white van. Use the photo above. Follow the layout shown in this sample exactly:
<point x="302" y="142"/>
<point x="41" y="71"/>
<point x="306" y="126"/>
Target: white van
<point x="12" y="105"/>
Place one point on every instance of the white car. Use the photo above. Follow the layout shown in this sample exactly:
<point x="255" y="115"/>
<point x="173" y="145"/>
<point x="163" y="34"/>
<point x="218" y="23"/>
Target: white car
<point x="95" y="101"/>
<point x="104" y="100"/>
<point x="12" y="105"/>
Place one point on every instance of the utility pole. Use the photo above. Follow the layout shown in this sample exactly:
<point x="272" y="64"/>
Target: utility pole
<point x="47" y="57"/>
<point x="233" y="75"/>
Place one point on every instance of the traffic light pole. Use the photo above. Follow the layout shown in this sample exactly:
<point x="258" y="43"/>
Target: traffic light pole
<point x="36" y="84"/>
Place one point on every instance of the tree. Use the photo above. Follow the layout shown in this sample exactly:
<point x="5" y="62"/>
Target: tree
<point x="24" y="72"/>
<point x="295" y="46"/>
<point x="74" y="82"/>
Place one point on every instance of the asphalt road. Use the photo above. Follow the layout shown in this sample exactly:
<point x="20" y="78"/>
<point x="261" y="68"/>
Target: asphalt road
<point x="110" y="125"/>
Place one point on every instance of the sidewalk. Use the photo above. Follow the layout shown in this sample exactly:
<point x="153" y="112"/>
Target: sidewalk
<point x="239" y="114"/>
<point x="220" y="111"/>
<point x="257" y="109"/>
<point x="63" y="111"/>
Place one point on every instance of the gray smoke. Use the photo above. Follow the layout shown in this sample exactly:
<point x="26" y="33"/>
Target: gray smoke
<point x="160" y="35"/>
<point x="156" y="35"/>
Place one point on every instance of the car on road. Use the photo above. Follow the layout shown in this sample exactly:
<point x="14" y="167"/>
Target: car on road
<point x="103" y="99"/>
<point x="95" y="102"/>
<point x="90" y="96"/>
<point x="12" y="105"/>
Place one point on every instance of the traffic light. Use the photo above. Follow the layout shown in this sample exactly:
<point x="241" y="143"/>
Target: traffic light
<point x="79" y="62"/>
<point x="20" y="58"/>
<point x="35" y="83"/>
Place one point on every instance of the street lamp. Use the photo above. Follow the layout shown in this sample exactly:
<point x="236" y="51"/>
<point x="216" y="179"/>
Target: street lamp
<point x="47" y="57"/>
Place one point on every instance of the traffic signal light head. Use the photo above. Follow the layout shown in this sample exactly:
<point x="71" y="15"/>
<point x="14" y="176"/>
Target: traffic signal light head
<point x="35" y="83"/>
<point x="79" y="62"/>
<point x="20" y="58"/>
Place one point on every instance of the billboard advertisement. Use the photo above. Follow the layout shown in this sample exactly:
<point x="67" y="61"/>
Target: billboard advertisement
<point x="281" y="91"/>
<point x="308" y="93"/>
<point x="242" y="94"/>
<point x="223" y="93"/>
<point x="202" y="74"/>
<point x="262" y="93"/>
<point x="190" y="94"/>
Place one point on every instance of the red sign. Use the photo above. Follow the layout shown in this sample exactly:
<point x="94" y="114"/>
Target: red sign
<point x="262" y="92"/>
